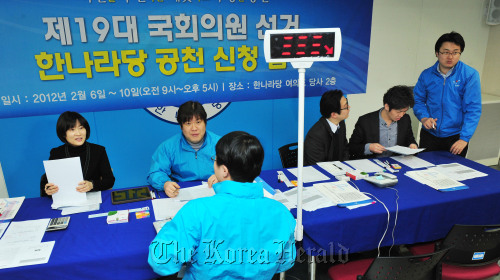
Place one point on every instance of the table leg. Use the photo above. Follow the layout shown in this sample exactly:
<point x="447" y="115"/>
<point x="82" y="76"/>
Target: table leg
<point x="312" y="267"/>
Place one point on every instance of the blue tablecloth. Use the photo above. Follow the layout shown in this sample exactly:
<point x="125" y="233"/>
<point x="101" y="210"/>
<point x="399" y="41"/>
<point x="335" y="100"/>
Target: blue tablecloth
<point x="425" y="214"/>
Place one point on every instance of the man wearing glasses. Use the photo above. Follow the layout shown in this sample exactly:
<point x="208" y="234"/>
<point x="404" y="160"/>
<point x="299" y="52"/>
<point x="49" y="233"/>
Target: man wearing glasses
<point x="386" y="127"/>
<point x="448" y="99"/>
<point x="187" y="155"/>
<point x="326" y="140"/>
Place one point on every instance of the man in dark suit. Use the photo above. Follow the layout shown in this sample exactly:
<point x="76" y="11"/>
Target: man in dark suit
<point x="326" y="140"/>
<point x="386" y="127"/>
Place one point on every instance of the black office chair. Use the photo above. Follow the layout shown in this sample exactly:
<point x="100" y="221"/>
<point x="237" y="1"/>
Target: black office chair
<point x="474" y="253"/>
<point x="420" y="267"/>
<point x="288" y="155"/>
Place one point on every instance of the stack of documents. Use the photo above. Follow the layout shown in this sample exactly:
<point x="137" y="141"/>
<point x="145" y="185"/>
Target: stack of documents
<point x="312" y="199"/>
<point x="21" y="244"/>
<point x="9" y="208"/>
<point x="436" y="180"/>
<point x="459" y="172"/>
<point x="342" y="194"/>
<point x="66" y="174"/>
<point x="413" y="161"/>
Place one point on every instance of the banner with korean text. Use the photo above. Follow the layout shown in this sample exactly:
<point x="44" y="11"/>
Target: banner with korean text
<point x="99" y="55"/>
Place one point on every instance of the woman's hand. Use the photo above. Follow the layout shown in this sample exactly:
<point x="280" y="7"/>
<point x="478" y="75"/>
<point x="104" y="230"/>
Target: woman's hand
<point x="51" y="189"/>
<point x="85" y="186"/>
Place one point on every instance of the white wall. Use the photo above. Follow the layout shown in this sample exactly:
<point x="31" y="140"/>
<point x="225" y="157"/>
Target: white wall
<point x="402" y="44"/>
<point x="491" y="70"/>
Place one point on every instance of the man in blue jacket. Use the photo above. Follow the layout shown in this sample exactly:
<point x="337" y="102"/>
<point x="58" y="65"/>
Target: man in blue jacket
<point x="187" y="155"/>
<point x="448" y="99"/>
<point x="235" y="234"/>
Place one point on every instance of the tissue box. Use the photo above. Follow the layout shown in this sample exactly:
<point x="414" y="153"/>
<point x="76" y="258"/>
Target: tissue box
<point x="115" y="217"/>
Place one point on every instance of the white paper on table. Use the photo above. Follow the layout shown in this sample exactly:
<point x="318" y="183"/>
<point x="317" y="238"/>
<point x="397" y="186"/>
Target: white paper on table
<point x="412" y="161"/>
<point x="365" y="165"/>
<point x="3" y="227"/>
<point x="434" y="179"/>
<point x="23" y="255"/>
<point x="195" y="192"/>
<point x="166" y="208"/>
<point x="25" y="232"/>
<point x="279" y="196"/>
<point x="331" y="168"/>
<point x="312" y="199"/>
<point x="404" y="150"/>
<point x="10" y="206"/>
<point x="65" y="173"/>
<point x="94" y="200"/>
<point x="309" y="174"/>
<point x="459" y="172"/>
<point x="341" y="192"/>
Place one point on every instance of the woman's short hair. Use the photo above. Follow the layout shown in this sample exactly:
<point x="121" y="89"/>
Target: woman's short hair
<point x="68" y="120"/>
<point x="242" y="154"/>
<point x="189" y="110"/>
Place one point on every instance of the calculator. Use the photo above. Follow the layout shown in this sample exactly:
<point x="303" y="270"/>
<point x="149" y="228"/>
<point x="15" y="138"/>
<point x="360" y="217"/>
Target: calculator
<point x="58" y="223"/>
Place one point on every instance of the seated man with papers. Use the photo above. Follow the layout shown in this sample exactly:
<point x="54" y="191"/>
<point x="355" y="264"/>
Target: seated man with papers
<point x="235" y="234"/>
<point x="385" y="127"/>
<point x="184" y="156"/>
<point x="74" y="130"/>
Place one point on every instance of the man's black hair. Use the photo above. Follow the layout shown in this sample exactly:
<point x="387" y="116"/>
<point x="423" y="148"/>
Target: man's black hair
<point x="242" y="154"/>
<point x="399" y="97"/>
<point x="189" y="110"/>
<point x="452" y="37"/>
<point x="68" y="120"/>
<point x="330" y="103"/>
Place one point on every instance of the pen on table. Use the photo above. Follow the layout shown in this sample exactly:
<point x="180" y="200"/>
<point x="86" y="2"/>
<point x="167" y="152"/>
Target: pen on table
<point x="279" y="178"/>
<point x="336" y="166"/>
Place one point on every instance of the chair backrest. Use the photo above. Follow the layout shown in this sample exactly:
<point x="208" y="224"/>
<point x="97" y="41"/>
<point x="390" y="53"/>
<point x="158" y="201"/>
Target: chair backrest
<point x="406" y="267"/>
<point x="288" y="155"/>
<point x="472" y="244"/>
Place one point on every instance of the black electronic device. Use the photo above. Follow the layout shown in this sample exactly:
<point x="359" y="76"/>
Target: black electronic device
<point x="130" y="195"/>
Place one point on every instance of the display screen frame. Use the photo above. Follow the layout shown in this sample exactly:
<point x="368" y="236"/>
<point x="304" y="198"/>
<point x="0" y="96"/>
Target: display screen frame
<point x="302" y="45"/>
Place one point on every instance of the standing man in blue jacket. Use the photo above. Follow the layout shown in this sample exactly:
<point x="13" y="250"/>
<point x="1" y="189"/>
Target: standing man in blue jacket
<point x="448" y="99"/>
<point x="187" y="155"/>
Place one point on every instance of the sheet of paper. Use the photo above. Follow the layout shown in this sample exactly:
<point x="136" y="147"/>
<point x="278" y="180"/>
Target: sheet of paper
<point x="195" y="192"/>
<point x="364" y="165"/>
<point x="309" y="174"/>
<point x="80" y="209"/>
<point x="331" y="167"/>
<point x="459" y="172"/>
<point x="166" y="208"/>
<point x="10" y="206"/>
<point x="342" y="192"/>
<point x="436" y="180"/>
<point x="412" y="161"/>
<point x="28" y="254"/>
<point x="403" y="150"/>
<point x="66" y="174"/>
<point x="94" y="200"/>
<point x="311" y="199"/>
<point x="279" y="196"/>
<point x="25" y="232"/>
<point x="3" y="227"/>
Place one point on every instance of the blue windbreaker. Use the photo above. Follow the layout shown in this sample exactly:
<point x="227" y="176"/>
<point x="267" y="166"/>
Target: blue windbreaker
<point x="235" y="234"/>
<point x="455" y="102"/>
<point x="176" y="160"/>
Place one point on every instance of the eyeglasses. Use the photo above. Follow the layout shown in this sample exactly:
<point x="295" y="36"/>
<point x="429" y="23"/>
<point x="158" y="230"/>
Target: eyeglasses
<point x="450" y="53"/>
<point x="214" y="158"/>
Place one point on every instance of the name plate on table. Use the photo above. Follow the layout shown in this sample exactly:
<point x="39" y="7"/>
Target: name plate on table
<point x="130" y="195"/>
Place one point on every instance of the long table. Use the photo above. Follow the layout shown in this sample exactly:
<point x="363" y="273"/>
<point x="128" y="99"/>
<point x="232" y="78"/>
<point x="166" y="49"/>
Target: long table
<point x="424" y="214"/>
<point x="90" y="248"/>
